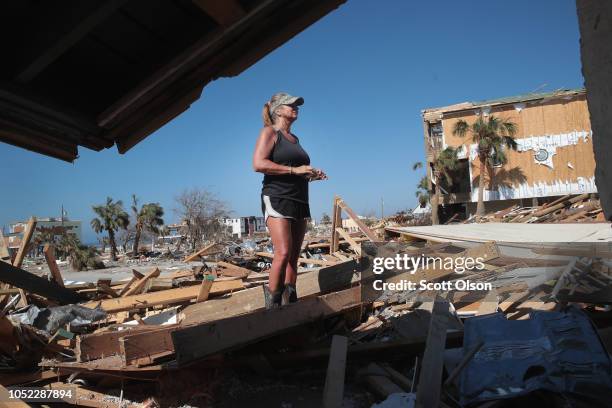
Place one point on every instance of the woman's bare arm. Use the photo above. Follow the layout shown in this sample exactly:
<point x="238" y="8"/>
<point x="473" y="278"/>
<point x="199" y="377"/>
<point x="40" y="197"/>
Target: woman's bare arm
<point x="263" y="149"/>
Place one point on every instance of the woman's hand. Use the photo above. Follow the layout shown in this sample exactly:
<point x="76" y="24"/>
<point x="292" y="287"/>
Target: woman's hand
<point x="318" y="175"/>
<point x="304" y="171"/>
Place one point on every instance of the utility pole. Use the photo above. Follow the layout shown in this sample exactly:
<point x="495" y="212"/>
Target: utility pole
<point x="382" y="209"/>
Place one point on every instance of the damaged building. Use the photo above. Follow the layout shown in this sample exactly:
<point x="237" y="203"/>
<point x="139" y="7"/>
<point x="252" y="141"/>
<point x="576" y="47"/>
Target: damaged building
<point x="554" y="155"/>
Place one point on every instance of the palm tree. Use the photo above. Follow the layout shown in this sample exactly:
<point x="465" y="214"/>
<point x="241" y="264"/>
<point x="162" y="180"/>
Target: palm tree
<point x="422" y="192"/>
<point x="491" y="135"/>
<point x="148" y="217"/>
<point x="111" y="217"/>
<point x="445" y="162"/>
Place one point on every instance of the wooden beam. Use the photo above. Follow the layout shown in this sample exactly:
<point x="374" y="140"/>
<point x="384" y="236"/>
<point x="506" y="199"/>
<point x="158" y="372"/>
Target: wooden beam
<point x="354" y="245"/>
<point x="27" y="281"/>
<point x="324" y="280"/>
<point x="201" y="252"/>
<point x="25" y="242"/>
<point x="333" y="391"/>
<point x="428" y="391"/>
<point x="336" y="222"/>
<point x="140" y="284"/>
<point x="489" y="304"/>
<point x="207" y="283"/>
<point x="56" y="47"/>
<point x="364" y="228"/>
<point x="241" y="330"/>
<point x="49" y="251"/>
<point x="136" y="276"/>
<point x="229" y="269"/>
<point x="164" y="297"/>
<point x="144" y="348"/>
<point x="225" y="13"/>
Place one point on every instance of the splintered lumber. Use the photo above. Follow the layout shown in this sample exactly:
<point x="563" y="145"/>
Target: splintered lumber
<point x="136" y="276"/>
<point x="229" y="269"/>
<point x="354" y="245"/>
<point x="428" y="391"/>
<point x="164" y="297"/>
<point x="21" y="253"/>
<point x="229" y="333"/>
<point x="25" y="242"/>
<point x="558" y="206"/>
<point x="366" y="231"/>
<point x="336" y="369"/>
<point x="49" y="251"/>
<point x="336" y="222"/>
<point x="326" y="279"/>
<point x="141" y="283"/>
<point x="196" y="255"/>
<point x="21" y="279"/>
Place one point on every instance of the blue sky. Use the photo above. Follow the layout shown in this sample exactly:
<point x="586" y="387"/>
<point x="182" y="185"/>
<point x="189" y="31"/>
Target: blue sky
<point x="365" y="71"/>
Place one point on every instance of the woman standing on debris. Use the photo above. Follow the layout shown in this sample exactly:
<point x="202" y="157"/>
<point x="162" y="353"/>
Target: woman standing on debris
<point x="284" y="196"/>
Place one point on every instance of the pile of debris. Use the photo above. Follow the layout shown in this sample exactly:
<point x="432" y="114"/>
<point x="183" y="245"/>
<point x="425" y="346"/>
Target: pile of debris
<point x="201" y="336"/>
<point x="567" y="209"/>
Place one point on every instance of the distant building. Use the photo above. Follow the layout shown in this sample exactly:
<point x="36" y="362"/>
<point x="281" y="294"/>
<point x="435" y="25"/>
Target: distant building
<point x="245" y="226"/>
<point x="56" y="227"/>
<point x="554" y="155"/>
<point x="173" y="233"/>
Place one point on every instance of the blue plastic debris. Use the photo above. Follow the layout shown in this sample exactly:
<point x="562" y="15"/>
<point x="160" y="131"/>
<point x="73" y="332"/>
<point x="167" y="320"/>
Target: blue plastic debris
<point x="555" y="351"/>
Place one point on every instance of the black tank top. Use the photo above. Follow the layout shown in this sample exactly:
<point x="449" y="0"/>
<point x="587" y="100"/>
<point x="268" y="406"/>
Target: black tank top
<point x="288" y="186"/>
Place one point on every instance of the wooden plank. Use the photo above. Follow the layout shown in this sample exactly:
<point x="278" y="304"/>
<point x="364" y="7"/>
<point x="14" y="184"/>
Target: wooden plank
<point x="311" y="283"/>
<point x="29" y="282"/>
<point x="225" y="13"/>
<point x="25" y="242"/>
<point x="333" y="392"/>
<point x="201" y="252"/>
<point x="428" y="391"/>
<point x="207" y="283"/>
<point x="103" y="344"/>
<point x="364" y="228"/>
<point x="49" y="251"/>
<point x="354" y="245"/>
<point x="336" y="222"/>
<point x="223" y="335"/>
<point x="136" y="276"/>
<point x="489" y="304"/>
<point x="164" y="297"/>
<point x="140" y="284"/>
<point x="233" y="270"/>
<point x="144" y="348"/>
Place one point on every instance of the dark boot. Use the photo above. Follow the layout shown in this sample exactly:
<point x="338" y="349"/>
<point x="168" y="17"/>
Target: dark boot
<point x="289" y="294"/>
<point x="272" y="300"/>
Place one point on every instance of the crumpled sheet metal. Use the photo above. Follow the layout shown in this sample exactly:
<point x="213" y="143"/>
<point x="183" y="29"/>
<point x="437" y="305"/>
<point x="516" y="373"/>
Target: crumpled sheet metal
<point x="555" y="351"/>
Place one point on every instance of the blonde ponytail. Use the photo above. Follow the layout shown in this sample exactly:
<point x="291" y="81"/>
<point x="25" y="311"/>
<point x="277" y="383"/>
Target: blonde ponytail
<point x="266" y="115"/>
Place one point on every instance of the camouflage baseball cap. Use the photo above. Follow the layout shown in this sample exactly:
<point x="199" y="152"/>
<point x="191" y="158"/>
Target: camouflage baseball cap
<point x="285" y="99"/>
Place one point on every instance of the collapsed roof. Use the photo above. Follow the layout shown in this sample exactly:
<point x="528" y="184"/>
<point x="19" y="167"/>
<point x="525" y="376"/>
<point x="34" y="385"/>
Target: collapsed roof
<point x="100" y="73"/>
